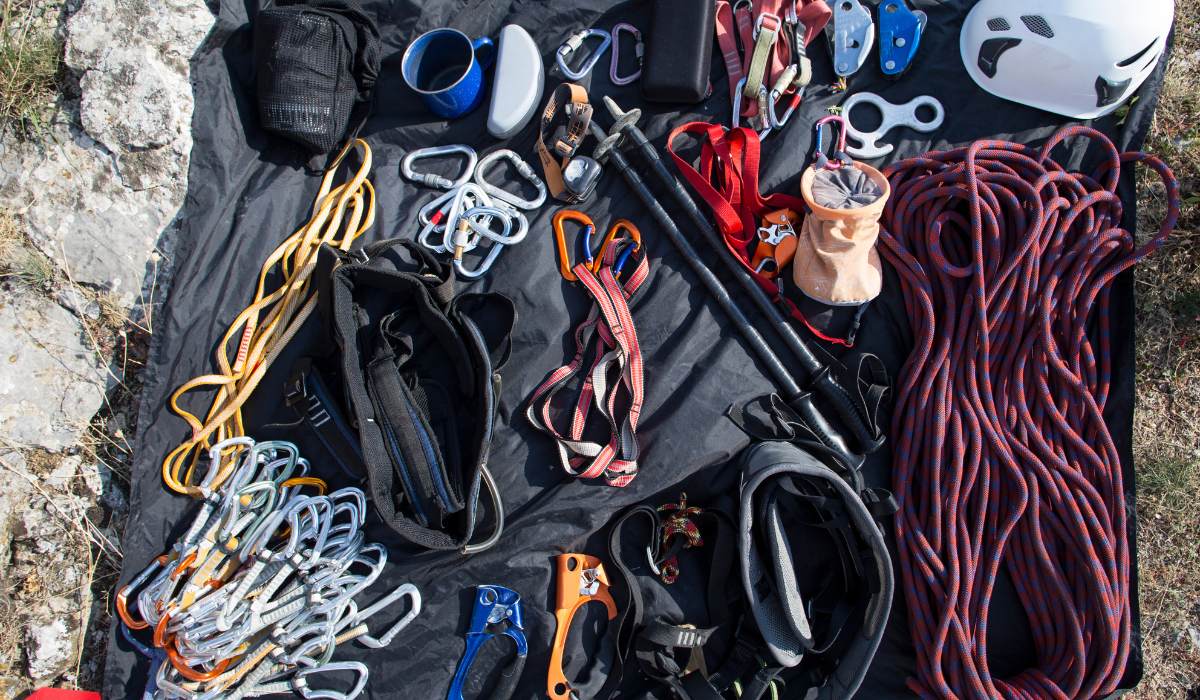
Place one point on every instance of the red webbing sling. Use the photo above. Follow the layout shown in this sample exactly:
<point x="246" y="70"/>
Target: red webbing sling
<point x="611" y="324"/>
<point x="727" y="180"/>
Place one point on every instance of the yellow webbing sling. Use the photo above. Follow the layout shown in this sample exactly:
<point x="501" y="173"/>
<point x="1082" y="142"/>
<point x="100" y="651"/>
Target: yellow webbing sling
<point x="340" y="215"/>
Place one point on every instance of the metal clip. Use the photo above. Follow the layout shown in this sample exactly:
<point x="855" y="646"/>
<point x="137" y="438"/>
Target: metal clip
<point x="572" y="44"/>
<point x="300" y="681"/>
<point x="892" y="115"/>
<point x="900" y="30"/>
<point x="639" y="48"/>
<point x="404" y="590"/>
<point x="581" y="579"/>
<point x="496" y="607"/>
<point x="431" y="179"/>
<point x="853" y="36"/>
<point x="523" y="169"/>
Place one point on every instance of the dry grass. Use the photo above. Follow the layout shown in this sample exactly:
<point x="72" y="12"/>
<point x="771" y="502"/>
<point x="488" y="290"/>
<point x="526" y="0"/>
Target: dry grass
<point x="1167" y="418"/>
<point x="30" y="68"/>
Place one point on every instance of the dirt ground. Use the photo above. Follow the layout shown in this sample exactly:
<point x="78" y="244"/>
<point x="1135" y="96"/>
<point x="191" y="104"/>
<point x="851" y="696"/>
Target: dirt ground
<point x="1167" y="417"/>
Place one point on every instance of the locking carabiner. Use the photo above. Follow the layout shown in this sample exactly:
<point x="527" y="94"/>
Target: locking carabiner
<point x="432" y="179"/>
<point x="820" y="160"/>
<point x="496" y="608"/>
<point x="591" y="258"/>
<point x="523" y="169"/>
<point x="614" y="63"/>
<point x="581" y="579"/>
<point x="572" y="44"/>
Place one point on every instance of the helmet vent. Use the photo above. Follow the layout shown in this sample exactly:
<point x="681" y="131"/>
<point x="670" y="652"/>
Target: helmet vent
<point x="1133" y="59"/>
<point x="998" y="24"/>
<point x="1038" y="25"/>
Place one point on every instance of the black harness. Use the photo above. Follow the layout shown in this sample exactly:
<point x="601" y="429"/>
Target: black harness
<point x="421" y="381"/>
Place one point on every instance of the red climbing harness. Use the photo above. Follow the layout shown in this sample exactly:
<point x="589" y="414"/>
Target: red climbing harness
<point x="1002" y="456"/>
<point x="610" y="325"/>
<point x="727" y="180"/>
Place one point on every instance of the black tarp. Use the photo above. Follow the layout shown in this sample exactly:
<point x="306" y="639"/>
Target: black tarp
<point x="247" y="192"/>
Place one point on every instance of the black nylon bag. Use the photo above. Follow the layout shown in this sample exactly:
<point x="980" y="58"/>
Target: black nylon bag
<point x="316" y="65"/>
<point x="421" y="379"/>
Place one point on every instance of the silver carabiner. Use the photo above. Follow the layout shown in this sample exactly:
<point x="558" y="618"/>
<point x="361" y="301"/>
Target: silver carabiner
<point x="405" y="590"/>
<point x="434" y="180"/>
<point x="572" y="44"/>
<point x="523" y="169"/>
<point x="300" y="681"/>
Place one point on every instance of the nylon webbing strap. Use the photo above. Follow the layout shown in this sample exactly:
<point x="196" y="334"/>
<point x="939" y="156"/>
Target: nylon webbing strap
<point x="673" y="654"/>
<point x="610" y="334"/>
<point x="573" y="100"/>
<point x="424" y="441"/>
<point x="780" y="481"/>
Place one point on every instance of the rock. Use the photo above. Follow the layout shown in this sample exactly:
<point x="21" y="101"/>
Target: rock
<point x="14" y="498"/>
<point x="49" y="648"/>
<point x="51" y="382"/>
<point x="98" y="199"/>
<point x="134" y="75"/>
<point x="1193" y="635"/>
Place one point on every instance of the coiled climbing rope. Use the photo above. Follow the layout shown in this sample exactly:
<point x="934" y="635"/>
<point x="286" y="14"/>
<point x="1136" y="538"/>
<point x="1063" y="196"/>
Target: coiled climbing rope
<point x="1002" y="456"/>
<point x="282" y="302"/>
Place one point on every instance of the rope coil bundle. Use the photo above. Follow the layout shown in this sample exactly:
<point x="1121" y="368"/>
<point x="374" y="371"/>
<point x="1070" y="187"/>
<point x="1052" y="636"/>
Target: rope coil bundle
<point x="1002" y="456"/>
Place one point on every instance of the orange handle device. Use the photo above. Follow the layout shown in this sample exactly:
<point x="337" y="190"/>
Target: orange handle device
<point x="581" y="579"/>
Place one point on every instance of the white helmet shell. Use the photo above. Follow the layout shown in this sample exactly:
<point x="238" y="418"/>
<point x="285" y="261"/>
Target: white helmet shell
<point x="1078" y="58"/>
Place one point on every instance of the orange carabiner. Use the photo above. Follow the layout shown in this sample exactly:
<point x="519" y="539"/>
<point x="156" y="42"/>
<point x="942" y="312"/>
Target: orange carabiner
<point x="591" y="259"/>
<point x="634" y="234"/>
<point x="123" y="594"/>
<point x="581" y="579"/>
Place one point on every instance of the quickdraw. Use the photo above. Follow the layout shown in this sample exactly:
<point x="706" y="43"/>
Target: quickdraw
<point x="764" y="47"/>
<point x="581" y="580"/>
<point x="259" y="333"/>
<point x="610" y="325"/>
<point x="639" y="49"/>
<point x="496" y="612"/>
<point x="264" y="584"/>
<point x="567" y="51"/>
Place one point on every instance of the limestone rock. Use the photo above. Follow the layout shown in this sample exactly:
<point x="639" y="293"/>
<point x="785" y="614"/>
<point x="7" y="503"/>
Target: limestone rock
<point x="49" y="648"/>
<point x="52" y="383"/>
<point x="134" y="75"/>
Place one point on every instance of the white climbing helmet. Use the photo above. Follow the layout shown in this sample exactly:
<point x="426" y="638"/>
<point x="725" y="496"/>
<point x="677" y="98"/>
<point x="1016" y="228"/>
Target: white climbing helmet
<point x="1079" y="58"/>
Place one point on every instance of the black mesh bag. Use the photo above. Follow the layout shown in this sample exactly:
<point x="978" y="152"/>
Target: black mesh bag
<point x="316" y="67"/>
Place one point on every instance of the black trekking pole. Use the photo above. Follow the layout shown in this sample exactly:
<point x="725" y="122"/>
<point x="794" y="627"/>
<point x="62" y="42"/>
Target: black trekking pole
<point x="821" y="379"/>
<point x="799" y="400"/>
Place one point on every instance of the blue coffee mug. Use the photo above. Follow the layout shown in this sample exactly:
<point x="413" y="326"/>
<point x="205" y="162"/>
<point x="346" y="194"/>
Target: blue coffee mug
<point x="442" y="66"/>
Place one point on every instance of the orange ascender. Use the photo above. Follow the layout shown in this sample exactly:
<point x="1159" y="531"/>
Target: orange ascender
<point x="776" y="243"/>
<point x="581" y="579"/>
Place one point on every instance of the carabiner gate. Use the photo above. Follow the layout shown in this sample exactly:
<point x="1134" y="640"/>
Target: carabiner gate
<point x="639" y="48"/>
<point x="591" y="258"/>
<point x="567" y="51"/>
<point x="432" y="179"/>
